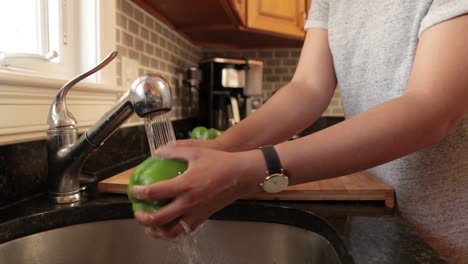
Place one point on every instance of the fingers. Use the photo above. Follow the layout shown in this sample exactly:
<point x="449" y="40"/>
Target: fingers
<point x="158" y="191"/>
<point x="181" y="226"/>
<point x="163" y="216"/>
<point x="178" y="217"/>
<point x="184" y="226"/>
<point x="187" y="149"/>
<point x="174" y="151"/>
<point x="155" y="232"/>
<point x="166" y="223"/>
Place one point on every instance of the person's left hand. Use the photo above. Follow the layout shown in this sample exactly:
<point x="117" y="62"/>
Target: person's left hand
<point x="213" y="180"/>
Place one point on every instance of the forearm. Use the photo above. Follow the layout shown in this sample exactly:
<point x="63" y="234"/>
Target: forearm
<point x="384" y="133"/>
<point x="292" y="109"/>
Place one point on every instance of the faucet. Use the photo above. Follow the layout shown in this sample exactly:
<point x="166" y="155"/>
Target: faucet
<point x="148" y="94"/>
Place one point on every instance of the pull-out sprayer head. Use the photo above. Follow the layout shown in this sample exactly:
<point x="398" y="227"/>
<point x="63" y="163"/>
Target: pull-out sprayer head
<point x="150" y="93"/>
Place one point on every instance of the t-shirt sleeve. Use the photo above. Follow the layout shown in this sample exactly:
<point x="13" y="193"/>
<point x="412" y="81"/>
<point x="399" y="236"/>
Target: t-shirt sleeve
<point x="442" y="10"/>
<point x="318" y="15"/>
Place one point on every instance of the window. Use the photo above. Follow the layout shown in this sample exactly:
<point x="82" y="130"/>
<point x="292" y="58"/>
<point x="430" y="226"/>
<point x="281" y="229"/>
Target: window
<point x="25" y="33"/>
<point x="35" y="37"/>
<point x="54" y="38"/>
<point x="82" y="33"/>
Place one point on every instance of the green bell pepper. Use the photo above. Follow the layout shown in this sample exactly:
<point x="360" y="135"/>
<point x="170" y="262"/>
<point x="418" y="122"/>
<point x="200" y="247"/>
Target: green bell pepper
<point x="201" y="132"/>
<point x="152" y="170"/>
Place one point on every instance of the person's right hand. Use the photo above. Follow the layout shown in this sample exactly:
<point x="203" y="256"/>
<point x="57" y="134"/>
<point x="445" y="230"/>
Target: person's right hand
<point x="213" y="180"/>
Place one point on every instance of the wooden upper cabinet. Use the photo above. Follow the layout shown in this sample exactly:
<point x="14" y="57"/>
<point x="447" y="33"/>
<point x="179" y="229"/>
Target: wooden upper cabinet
<point x="233" y="23"/>
<point x="284" y="17"/>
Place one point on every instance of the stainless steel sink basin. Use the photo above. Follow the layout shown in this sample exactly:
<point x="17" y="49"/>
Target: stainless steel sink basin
<point x="217" y="242"/>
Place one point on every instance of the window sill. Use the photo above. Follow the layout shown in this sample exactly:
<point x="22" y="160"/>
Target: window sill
<point x="12" y="78"/>
<point x="25" y="101"/>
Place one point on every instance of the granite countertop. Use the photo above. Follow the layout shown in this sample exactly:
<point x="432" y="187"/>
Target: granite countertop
<point x="360" y="232"/>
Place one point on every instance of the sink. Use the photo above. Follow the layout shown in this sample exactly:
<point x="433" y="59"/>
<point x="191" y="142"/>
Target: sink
<point x="216" y="242"/>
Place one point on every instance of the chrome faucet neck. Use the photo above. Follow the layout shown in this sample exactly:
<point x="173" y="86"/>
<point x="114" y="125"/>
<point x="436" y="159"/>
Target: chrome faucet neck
<point x="67" y="153"/>
<point x="59" y="116"/>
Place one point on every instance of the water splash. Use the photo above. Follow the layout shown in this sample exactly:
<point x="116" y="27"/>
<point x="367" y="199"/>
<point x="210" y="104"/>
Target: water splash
<point x="187" y="248"/>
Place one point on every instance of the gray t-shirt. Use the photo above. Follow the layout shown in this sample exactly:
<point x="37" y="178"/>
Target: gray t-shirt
<point x="373" y="44"/>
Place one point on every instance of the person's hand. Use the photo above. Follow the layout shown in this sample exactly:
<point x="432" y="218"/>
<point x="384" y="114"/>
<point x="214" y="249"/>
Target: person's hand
<point x="213" y="180"/>
<point x="202" y="143"/>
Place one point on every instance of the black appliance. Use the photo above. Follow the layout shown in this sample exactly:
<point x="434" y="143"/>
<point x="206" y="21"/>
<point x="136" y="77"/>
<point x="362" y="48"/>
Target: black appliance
<point x="230" y="90"/>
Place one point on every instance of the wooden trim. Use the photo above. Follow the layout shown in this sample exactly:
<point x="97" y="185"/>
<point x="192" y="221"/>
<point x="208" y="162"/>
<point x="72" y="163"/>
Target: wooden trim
<point x="208" y="28"/>
<point x="229" y="9"/>
<point x="276" y="34"/>
<point x="240" y="14"/>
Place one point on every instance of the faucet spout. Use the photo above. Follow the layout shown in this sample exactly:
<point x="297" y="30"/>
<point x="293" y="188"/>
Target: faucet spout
<point x="67" y="153"/>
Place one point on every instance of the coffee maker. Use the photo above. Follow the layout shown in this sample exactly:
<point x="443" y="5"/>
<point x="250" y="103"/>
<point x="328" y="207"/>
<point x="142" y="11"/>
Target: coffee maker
<point x="230" y="90"/>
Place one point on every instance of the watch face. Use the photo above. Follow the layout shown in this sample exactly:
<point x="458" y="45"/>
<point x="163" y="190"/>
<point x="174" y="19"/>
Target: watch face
<point x="275" y="183"/>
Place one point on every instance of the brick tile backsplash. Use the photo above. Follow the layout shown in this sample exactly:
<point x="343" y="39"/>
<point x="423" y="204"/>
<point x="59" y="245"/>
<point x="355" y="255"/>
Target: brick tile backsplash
<point x="159" y="49"/>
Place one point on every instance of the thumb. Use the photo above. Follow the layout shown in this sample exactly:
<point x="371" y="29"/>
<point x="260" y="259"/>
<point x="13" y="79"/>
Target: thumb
<point x="157" y="191"/>
<point x="174" y="151"/>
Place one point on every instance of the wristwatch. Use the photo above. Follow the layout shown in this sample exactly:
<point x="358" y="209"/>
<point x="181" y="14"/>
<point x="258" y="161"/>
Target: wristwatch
<point x="276" y="181"/>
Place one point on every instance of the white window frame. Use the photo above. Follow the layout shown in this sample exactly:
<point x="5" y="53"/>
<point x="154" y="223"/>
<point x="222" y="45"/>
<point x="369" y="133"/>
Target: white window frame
<point x="25" y="98"/>
<point x="38" y="63"/>
<point x="101" y="41"/>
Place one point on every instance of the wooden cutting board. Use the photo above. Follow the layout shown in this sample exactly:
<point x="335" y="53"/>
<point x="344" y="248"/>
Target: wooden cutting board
<point x="361" y="186"/>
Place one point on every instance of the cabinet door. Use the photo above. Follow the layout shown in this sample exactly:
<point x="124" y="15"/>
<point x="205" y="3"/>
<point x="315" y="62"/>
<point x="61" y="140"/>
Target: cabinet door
<point x="285" y="17"/>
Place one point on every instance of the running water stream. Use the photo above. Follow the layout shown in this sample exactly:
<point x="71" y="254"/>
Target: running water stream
<point x="160" y="132"/>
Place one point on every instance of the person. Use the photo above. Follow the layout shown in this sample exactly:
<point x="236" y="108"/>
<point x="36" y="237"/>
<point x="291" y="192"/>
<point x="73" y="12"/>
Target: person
<point x="402" y="69"/>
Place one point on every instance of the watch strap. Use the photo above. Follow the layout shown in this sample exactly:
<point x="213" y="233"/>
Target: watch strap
<point x="272" y="160"/>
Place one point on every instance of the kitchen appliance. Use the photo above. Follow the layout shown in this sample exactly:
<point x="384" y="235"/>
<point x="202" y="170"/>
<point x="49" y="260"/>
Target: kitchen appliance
<point x="190" y="81"/>
<point x="230" y="90"/>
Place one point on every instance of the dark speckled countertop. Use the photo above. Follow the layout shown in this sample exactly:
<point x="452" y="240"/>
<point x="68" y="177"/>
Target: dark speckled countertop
<point x="360" y="232"/>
